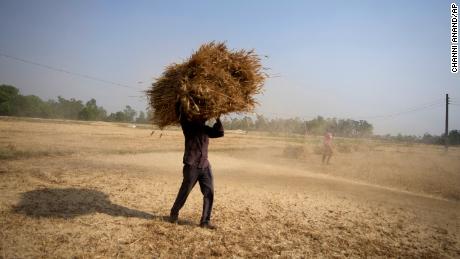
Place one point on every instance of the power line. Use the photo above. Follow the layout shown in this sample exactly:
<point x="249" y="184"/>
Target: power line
<point x="430" y="105"/>
<point x="68" y="72"/>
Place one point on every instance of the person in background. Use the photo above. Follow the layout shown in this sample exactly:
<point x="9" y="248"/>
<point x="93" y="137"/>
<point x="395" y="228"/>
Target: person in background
<point x="327" y="147"/>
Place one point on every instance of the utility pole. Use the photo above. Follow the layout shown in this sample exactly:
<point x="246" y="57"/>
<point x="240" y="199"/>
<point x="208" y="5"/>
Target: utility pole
<point x="446" y="134"/>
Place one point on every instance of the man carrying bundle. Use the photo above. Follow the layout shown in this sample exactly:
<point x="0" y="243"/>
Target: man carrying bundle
<point x="197" y="167"/>
<point x="214" y="81"/>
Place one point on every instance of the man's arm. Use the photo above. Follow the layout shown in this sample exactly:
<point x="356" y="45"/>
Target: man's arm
<point x="216" y="131"/>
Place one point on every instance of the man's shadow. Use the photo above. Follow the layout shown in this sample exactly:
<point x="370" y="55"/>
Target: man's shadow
<point x="72" y="202"/>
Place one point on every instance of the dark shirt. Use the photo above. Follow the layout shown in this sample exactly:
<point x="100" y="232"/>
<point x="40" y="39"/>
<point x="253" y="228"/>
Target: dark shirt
<point x="197" y="136"/>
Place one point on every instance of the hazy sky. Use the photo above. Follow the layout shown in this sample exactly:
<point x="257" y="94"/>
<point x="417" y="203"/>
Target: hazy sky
<point x="344" y="59"/>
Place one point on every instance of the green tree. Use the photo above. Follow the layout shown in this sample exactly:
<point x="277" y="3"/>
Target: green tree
<point x="130" y="113"/>
<point x="92" y="112"/>
<point x="29" y="106"/>
<point x="364" y="129"/>
<point x="66" y="109"/>
<point x="247" y="123"/>
<point x="454" y="137"/>
<point x="141" y="118"/>
<point x="7" y="93"/>
<point x="118" y="116"/>
<point x="316" y="126"/>
<point x="261" y="122"/>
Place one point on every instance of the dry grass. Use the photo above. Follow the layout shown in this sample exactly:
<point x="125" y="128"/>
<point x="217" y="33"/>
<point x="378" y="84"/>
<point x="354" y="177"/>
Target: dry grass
<point x="212" y="82"/>
<point x="403" y="167"/>
<point x="103" y="190"/>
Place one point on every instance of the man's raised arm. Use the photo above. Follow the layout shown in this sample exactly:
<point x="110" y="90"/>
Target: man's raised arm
<point x="216" y="131"/>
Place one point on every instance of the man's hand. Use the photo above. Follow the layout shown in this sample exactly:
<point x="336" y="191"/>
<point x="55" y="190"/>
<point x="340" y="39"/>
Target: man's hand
<point x="217" y="129"/>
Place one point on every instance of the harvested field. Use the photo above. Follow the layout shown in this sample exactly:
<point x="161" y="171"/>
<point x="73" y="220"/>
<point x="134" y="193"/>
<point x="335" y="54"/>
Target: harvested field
<point x="96" y="189"/>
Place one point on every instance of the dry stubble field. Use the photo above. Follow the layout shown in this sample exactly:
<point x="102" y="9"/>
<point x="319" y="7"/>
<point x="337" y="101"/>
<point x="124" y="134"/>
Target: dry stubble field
<point x="75" y="189"/>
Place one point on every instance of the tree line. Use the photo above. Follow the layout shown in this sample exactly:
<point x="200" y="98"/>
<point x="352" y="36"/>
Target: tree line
<point x="339" y="127"/>
<point x="453" y="138"/>
<point x="316" y="126"/>
<point x="13" y="103"/>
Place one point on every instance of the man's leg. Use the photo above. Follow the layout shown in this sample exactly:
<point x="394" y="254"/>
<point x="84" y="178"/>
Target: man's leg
<point x="190" y="174"/>
<point x="207" y="189"/>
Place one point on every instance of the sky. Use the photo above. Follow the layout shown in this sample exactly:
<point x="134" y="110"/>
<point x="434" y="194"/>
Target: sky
<point x="384" y="61"/>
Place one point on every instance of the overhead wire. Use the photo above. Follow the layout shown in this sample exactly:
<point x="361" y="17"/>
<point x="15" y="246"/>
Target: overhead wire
<point x="90" y="77"/>
<point x="429" y="105"/>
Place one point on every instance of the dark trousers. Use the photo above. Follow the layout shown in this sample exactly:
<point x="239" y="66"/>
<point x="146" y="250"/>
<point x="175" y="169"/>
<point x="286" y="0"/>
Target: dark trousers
<point x="191" y="176"/>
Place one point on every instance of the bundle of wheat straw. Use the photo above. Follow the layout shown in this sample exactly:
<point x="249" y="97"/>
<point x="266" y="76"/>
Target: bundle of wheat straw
<point x="212" y="82"/>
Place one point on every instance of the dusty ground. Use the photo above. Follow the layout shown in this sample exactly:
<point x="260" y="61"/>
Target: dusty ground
<point x="103" y="190"/>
